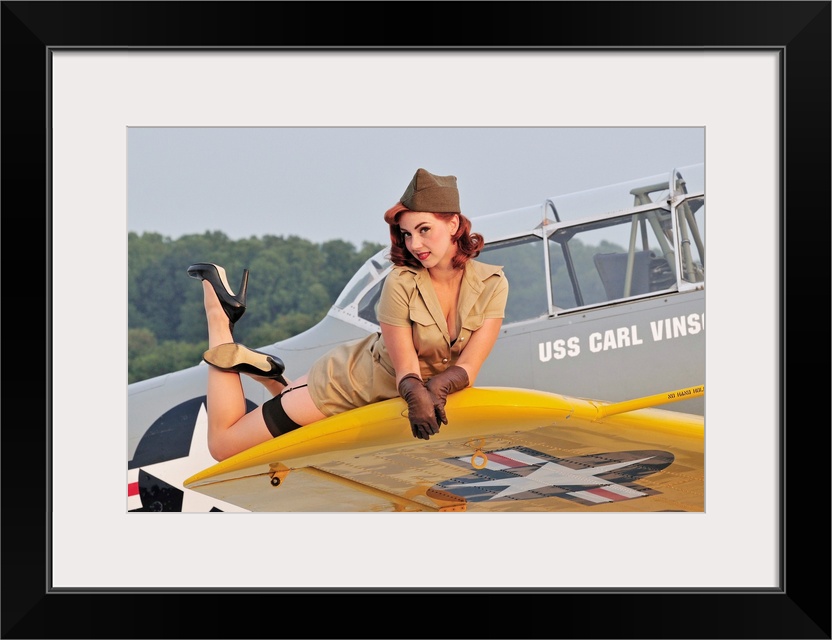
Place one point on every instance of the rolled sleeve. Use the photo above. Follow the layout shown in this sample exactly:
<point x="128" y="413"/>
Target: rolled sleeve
<point x="496" y="307"/>
<point x="394" y="302"/>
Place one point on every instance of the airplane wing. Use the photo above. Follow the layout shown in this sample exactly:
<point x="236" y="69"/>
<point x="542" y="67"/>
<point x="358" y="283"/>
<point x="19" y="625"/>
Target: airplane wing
<point x="504" y="450"/>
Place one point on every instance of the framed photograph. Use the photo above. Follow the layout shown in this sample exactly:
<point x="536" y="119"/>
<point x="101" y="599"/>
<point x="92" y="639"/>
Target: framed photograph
<point x="755" y="75"/>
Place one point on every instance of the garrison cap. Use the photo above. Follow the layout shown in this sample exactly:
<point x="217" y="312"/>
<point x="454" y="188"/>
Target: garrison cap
<point x="428" y="192"/>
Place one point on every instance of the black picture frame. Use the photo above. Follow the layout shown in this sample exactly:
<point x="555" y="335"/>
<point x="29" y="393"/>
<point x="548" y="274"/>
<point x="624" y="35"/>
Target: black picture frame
<point x="799" y="31"/>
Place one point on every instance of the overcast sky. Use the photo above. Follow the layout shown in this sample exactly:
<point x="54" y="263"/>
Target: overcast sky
<point x="335" y="183"/>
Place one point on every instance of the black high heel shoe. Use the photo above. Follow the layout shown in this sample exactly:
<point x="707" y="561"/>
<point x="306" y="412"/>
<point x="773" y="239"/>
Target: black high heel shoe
<point x="233" y="305"/>
<point x="233" y="356"/>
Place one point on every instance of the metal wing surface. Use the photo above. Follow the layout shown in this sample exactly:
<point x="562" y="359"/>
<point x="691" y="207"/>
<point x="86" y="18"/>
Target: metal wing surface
<point x="504" y="450"/>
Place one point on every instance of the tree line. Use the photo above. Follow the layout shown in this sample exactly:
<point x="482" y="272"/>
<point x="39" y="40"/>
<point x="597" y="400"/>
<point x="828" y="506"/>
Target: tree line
<point x="292" y="284"/>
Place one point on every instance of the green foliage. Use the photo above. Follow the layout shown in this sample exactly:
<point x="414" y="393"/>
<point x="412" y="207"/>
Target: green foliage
<point x="168" y="356"/>
<point x="284" y="326"/>
<point x="292" y="284"/>
<point x="140" y="341"/>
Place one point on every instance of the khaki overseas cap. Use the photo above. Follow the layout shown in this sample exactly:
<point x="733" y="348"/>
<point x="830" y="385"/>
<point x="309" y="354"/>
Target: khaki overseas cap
<point x="428" y="192"/>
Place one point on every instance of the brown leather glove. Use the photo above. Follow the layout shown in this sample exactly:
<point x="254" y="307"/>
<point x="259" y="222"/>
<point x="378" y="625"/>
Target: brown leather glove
<point x="452" y="379"/>
<point x="420" y="405"/>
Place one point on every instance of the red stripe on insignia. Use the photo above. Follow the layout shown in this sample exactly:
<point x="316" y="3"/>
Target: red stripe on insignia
<point x="609" y="495"/>
<point x="496" y="457"/>
<point x="132" y="489"/>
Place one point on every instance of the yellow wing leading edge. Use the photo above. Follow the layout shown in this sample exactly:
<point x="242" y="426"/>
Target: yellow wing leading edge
<point x="504" y="449"/>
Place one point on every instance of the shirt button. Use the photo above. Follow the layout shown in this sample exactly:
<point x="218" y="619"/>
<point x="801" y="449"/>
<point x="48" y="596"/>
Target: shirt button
<point x="444" y="360"/>
<point x="461" y="338"/>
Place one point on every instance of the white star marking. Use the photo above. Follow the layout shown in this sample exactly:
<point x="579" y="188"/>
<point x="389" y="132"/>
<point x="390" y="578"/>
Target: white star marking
<point x="176" y="471"/>
<point x="553" y="474"/>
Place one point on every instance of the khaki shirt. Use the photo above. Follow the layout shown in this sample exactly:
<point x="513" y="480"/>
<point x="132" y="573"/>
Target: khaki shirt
<point x="409" y="300"/>
<point x="361" y="371"/>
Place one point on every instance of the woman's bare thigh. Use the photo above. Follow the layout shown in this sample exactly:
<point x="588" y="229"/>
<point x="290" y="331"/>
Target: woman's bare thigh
<point x="298" y="405"/>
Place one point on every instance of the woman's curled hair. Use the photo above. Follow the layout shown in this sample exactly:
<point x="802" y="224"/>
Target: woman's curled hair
<point x="468" y="244"/>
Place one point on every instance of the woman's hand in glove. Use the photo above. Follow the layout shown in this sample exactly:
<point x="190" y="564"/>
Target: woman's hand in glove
<point x="420" y="407"/>
<point x="452" y="379"/>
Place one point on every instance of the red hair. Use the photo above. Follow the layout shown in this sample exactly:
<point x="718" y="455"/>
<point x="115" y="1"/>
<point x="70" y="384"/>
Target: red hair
<point x="468" y="244"/>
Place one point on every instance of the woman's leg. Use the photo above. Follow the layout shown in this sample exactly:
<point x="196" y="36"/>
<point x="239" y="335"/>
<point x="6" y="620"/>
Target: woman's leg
<point x="230" y="428"/>
<point x="297" y="403"/>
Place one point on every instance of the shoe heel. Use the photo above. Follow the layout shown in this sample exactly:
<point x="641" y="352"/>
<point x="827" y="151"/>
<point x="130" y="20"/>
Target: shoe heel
<point x="236" y="357"/>
<point x="241" y="296"/>
<point x="233" y="305"/>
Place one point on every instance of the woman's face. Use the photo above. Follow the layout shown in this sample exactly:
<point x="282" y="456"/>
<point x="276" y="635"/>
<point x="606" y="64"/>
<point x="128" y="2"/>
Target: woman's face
<point x="428" y="237"/>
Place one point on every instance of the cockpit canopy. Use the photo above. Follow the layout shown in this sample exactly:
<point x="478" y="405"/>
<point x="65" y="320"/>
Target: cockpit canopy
<point x="597" y="247"/>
